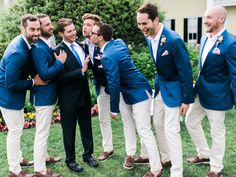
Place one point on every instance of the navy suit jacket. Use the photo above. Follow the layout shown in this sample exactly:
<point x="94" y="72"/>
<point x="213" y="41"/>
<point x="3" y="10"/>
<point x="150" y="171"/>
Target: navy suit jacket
<point x="14" y="71"/>
<point x="73" y="85"/>
<point x="47" y="68"/>
<point x="174" y="71"/>
<point x="98" y="72"/>
<point x="216" y="83"/>
<point x="123" y="76"/>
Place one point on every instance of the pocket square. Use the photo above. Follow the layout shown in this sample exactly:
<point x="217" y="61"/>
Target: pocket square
<point x="98" y="57"/>
<point x="165" y="53"/>
<point x="216" y="51"/>
<point x="100" y="66"/>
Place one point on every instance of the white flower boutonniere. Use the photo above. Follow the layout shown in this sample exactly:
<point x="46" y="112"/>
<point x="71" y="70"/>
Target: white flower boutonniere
<point x="219" y="40"/>
<point x="163" y="40"/>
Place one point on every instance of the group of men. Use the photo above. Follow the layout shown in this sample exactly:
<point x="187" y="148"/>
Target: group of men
<point x="121" y="88"/>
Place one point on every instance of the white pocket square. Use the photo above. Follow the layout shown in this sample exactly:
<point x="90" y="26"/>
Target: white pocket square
<point x="216" y="51"/>
<point x="165" y="53"/>
<point x="100" y="66"/>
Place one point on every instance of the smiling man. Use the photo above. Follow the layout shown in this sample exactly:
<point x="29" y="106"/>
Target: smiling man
<point x="173" y="86"/>
<point x="44" y="97"/>
<point x="14" y="72"/>
<point x="74" y="97"/>
<point x="215" y="90"/>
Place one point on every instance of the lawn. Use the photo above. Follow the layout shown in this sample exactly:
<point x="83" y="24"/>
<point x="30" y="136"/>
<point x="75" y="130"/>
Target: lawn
<point x="113" y="167"/>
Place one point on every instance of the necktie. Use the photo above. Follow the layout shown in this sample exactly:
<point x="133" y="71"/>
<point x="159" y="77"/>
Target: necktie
<point x="75" y="54"/>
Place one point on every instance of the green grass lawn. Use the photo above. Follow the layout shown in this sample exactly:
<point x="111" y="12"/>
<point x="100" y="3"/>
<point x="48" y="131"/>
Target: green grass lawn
<point x="113" y="167"/>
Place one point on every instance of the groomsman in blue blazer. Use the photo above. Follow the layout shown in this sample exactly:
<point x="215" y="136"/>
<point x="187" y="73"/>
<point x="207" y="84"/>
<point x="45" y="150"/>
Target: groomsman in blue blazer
<point x="14" y="72"/>
<point x="215" y="90"/>
<point x="44" y="97"/>
<point x="100" y="81"/>
<point x="173" y="86"/>
<point x="130" y="94"/>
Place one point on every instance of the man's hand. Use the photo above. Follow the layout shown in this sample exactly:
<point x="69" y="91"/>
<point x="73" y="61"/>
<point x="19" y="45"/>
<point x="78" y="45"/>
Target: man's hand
<point x="183" y="109"/>
<point x="39" y="81"/>
<point x="114" y="116"/>
<point x="86" y="62"/>
<point x="61" y="56"/>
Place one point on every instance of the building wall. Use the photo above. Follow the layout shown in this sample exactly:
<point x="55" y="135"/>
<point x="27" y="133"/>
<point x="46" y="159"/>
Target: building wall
<point x="1" y="4"/>
<point x="180" y="9"/>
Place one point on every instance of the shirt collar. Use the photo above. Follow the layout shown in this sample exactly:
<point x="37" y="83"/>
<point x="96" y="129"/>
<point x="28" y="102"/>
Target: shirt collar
<point x="216" y="36"/>
<point x="157" y="37"/>
<point x="103" y="47"/>
<point x="69" y="44"/>
<point x="47" y="41"/>
<point x="29" y="46"/>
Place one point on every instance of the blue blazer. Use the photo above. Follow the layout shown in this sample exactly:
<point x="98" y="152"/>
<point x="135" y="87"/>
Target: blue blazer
<point x="47" y="68"/>
<point x="14" y="71"/>
<point x="216" y="83"/>
<point x="174" y="71"/>
<point x="123" y="76"/>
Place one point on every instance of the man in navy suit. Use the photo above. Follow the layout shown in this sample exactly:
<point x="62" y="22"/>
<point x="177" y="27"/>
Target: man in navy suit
<point x="103" y="98"/>
<point x="74" y="97"/>
<point x="131" y="90"/>
<point x="215" y="90"/>
<point x="14" y="72"/>
<point x="44" y="97"/>
<point x="173" y="85"/>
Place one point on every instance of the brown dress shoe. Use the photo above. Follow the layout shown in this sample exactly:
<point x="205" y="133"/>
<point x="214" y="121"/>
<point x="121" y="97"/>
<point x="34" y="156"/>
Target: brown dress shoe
<point x="213" y="174"/>
<point x="105" y="155"/>
<point x="49" y="173"/>
<point x="26" y="163"/>
<point x="128" y="163"/>
<point x="166" y="164"/>
<point x="52" y="160"/>
<point x="21" y="174"/>
<point x="198" y="160"/>
<point x="150" y="174"/>
<point x="141" y="161"/>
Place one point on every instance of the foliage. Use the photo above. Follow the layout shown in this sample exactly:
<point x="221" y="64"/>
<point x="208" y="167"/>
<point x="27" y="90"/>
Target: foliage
<point x="193" y="54"/>
<point x="142" y="59"/>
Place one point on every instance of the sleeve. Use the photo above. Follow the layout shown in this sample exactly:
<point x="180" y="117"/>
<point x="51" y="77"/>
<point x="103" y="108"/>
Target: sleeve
<point x="184" y="68"/>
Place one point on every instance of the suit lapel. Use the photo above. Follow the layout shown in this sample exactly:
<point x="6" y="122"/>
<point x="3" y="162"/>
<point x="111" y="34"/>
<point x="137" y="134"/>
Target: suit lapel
<point x="150" y="49"/>
<point x="69" y="53"/>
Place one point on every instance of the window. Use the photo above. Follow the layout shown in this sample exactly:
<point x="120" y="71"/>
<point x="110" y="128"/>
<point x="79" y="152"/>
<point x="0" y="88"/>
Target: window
<point x="170" y="23"/>
<point x="192" y="30"/>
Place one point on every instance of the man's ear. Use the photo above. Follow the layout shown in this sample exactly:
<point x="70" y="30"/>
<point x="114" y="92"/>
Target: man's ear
<point x="100" y="38"/>
<point x="60" y="33"/>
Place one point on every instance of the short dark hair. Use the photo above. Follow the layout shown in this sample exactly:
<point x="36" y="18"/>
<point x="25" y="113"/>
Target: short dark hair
<point x="94" y="17"/>
<point x="149" y="9"/>
<point x="62" y="23"/>
<point x="105" y="30"/>
<point x="28" y="17"/>
<point x="41" y="16"/>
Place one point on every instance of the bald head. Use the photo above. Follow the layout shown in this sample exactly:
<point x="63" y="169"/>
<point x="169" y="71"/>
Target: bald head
<point x="217" y="11"/>
<point x="214" y="19"/>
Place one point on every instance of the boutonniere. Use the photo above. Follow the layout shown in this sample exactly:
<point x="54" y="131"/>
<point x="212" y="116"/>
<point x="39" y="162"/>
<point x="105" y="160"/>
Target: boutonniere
<point x="163" y="40"/>
<point x="219" y="40"/>
<point x="98" y="56"/>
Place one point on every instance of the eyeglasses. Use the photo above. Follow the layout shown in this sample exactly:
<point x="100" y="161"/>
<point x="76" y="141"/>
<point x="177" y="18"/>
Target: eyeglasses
<point x="94" y="33"/>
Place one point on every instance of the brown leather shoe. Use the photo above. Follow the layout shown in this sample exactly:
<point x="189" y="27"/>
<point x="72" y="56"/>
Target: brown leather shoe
<point x="49" y="173"/>
<point x="26" y="163"/>
<point x="213" y="174"/>
<point x="128" y="163"/>
<point x="52" y="160"/>
<point x="105" y="155"/>
<point x="198" y="160"/>
<point x="166" y="164"/>
<point x="21" y="174"/>
<point x="150" y="174"/>
<point x="141" y="161"/>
